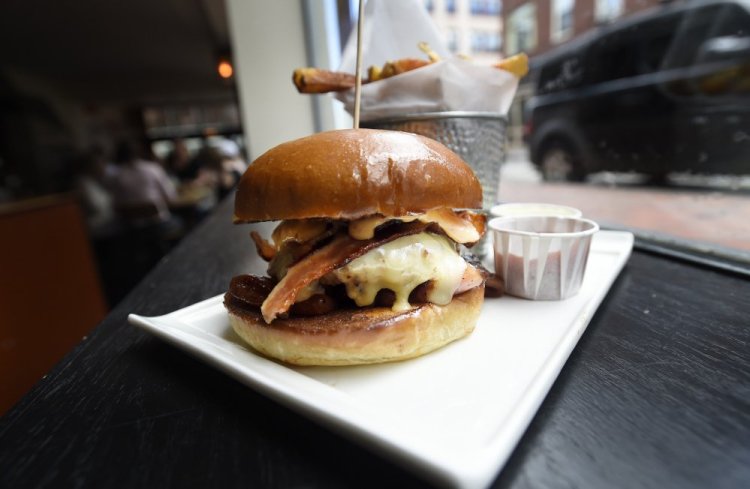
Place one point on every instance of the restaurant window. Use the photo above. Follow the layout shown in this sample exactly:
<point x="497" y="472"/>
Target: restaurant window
<point x="450" y="6"/>
<point x="642" y="122"/>
<point x="561" y="25"/>
<point x="485" y="7"/>
<point x="521" y="29"/>
<point x="608" y="10"/>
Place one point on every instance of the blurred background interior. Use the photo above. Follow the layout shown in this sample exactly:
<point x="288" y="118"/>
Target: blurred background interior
<point x="122" y="125"/>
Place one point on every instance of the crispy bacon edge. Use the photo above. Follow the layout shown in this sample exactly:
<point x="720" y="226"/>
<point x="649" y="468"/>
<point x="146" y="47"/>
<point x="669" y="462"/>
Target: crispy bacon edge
<point x="264" y="248"/>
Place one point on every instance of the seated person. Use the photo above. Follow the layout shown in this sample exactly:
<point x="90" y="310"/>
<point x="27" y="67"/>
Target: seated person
<point x="92" y="185"/>
<point x="141" y="189"/>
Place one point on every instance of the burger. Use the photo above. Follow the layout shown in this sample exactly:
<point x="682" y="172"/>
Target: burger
<point x="365" y="264"/>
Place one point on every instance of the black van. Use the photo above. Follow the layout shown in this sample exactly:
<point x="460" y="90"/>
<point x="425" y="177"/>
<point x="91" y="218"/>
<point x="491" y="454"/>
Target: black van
<point x="667" y="90"/>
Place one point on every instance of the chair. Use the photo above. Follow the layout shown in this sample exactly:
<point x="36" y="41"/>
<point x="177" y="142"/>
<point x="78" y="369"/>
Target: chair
<point x="50" y="293"/>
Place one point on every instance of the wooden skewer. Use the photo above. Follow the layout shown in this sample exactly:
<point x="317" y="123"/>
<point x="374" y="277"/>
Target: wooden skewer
<point x="358" y="79"/>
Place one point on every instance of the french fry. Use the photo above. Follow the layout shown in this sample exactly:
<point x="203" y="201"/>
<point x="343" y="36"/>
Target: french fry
<point x="314" y="80"/>
<point x="518" y="64"/>
<point x="426" y="49"/>
<point x="393" y="68"/>
<point x="374" y="73"/>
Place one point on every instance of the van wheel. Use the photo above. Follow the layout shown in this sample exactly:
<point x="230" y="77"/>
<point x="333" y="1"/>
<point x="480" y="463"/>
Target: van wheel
<point x="559" y="163"/>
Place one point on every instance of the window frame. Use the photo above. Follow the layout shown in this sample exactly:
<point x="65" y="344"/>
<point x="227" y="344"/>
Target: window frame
<point x="512" y="28"/>
<point x="557" y="34"/>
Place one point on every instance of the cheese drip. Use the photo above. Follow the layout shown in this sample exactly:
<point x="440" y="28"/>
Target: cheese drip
<point x="402" y="265"/>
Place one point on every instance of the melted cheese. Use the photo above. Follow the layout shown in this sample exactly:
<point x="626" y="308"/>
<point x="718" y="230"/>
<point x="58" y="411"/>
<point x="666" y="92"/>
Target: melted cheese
<point x="458" y="229"/>
<point x="402" y="265"/>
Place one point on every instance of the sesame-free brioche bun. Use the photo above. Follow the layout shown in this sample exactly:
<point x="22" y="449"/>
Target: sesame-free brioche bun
<point x="361" y="336"/>
<point x="352" y="173"/>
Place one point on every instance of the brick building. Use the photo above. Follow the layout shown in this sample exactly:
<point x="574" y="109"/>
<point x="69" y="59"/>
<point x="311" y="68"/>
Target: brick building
<point x="471" y="27"/>
<point x="536" y="26"/>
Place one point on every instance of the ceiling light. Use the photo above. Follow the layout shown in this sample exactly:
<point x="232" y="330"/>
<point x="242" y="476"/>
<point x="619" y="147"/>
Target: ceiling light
<point x="225" y="69"/>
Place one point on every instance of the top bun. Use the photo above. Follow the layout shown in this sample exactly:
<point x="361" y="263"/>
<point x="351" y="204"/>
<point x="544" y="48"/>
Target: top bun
<point x="353" y="173"/>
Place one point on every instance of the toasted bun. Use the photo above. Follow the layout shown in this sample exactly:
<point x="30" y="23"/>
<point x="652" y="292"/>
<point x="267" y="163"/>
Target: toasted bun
<point x="368" y="335"/>
<point x="353" y="173"/>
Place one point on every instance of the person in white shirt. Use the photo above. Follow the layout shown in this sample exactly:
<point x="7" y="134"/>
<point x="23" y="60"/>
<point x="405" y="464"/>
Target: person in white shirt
<point x="141" y="189"/>
<point x="92" y="185"/>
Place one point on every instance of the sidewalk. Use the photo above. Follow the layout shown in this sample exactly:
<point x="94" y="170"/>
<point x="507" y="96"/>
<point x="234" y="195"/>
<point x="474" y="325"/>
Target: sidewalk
<point x="712" y="216"/>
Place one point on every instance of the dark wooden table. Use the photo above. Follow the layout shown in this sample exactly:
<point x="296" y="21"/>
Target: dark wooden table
<point x="656" y="394"/>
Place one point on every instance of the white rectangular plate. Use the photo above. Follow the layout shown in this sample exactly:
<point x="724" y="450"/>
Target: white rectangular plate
<point x="453" y="416"/>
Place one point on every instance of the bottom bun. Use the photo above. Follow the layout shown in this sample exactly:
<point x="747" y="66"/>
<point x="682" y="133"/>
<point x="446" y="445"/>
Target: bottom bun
<point x="353" y="337"/>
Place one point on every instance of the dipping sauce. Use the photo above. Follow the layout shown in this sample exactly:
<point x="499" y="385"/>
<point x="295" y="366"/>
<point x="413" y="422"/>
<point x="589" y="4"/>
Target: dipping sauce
<point x="541" y="258"/>
<point x="518" y="209"/>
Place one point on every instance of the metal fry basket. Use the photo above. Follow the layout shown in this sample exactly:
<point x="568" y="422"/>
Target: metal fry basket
<point x="477" y="137"/>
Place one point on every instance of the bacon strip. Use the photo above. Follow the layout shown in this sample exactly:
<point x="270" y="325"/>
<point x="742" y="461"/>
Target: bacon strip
<point x="462" y="227"/>
<point x="493" y="285"/>
<point x="265" y="249"/>
<point x="478" y="220"/>
<point x="471" y="278"/>
<point x="335" y="254"/>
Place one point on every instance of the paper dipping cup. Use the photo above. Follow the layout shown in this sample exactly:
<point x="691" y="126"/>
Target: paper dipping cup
<point x="541" y="258"/>
<point x="517" y="209"/>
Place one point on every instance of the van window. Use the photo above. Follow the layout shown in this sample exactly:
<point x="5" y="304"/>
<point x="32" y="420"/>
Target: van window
<point x="700" y="26"/>
<point x="653" y="49"/>
<point x="634" y="50"/>
<point x="615" y="57"/>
